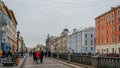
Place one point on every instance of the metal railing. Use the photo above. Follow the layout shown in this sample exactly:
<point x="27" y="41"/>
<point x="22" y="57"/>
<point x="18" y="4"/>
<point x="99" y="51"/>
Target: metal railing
<point x="109" y="62"/>
<point x="82" y="59"/>
<point x="63" y="56"/>
<point x="102" y="62"/>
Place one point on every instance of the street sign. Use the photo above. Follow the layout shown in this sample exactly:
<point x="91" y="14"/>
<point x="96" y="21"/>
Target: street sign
<point x="4" y="20"/>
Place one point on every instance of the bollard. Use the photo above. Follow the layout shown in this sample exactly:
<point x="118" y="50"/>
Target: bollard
<point x="95" y="61"/>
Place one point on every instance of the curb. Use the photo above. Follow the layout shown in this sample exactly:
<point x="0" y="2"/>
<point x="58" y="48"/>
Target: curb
<point x="74" y="65"/>
<point x="21" y="65"/>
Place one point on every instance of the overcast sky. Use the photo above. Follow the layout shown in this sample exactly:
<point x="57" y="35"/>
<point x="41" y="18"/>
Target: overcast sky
<point x="37" y="18"/>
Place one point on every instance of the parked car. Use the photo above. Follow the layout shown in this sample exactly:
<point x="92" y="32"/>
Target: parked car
<point x="112" y="55"/>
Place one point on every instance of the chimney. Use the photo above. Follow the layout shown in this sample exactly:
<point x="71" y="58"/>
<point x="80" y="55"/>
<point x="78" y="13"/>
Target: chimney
<point x="112" y="8"/>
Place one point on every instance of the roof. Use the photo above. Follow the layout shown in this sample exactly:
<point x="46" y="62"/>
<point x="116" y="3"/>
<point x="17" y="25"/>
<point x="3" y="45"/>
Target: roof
<point x="112" y="8"/>
<point x="83" y="30"/>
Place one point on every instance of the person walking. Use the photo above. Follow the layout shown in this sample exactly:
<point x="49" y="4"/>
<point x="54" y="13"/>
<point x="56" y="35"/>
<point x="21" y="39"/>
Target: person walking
<point x="0" y="55"/>
<point x="45" y="54"/>
<point x="34" y="57"/>
<point x="41" y="56"/>
<point x="37" y="54"/>
<point x="49" y="54"/>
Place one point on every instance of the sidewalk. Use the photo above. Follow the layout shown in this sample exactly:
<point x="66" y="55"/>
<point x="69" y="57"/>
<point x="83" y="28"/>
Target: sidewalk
<point x="47" y="63"/>
<point x="21" y="61"/>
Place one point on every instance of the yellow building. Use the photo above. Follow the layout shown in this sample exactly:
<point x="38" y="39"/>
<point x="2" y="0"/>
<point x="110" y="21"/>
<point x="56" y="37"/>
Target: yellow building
<point x="62" y="41"/>
<point x="11" y="27"/>
<point x="40" y="47"/>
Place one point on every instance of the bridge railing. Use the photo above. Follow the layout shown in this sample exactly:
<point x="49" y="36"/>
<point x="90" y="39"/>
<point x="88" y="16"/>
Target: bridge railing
<point x="89" y="60"/>
<point x="82" y="59"/>
<point x="108" y="62"/>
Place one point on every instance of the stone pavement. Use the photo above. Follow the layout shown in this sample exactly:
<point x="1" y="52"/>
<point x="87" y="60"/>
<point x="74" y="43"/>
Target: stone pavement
<point x="47" y="63"/>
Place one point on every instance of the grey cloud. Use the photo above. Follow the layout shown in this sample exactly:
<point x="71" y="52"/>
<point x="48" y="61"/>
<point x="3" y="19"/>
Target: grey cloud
<point x="37" y="18"/>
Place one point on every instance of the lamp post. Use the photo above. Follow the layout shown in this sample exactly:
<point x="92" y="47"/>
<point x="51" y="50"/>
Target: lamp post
<point x="76" y="41"/>
<point x="22" y="46"/>
<point x="18" y="33"/>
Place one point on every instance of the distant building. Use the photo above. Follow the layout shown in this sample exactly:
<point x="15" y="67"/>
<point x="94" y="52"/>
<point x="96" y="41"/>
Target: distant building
<point x="57" y="44"/>
<point x="107" y="27"/>
<point x="62" y="41"/>
<point x="81" y="41"/>
<point x="22" y="47"/>
<point x="40" y="47"/>
<point x="51" y="43"/>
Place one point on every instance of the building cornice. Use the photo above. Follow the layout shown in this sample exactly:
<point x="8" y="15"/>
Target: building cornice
<point x="112" y="9"/>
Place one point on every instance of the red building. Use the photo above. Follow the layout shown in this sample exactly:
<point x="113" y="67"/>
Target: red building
<point x="107" y="27"/>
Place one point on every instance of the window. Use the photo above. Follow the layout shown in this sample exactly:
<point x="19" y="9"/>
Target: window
<point x="112" y="15"/>
<point x="112" y="50"/>
<point x="119" y="27"/>
<point x="118" y="12"/>
<point x="91" y="49"/>
<point x="112" y="28"/>
<point x="102" y="26"/>
<point x="107" y="40"/>
<point x="119" y="37"/>
<point x="91" y="42"/>
<point x="112" y="22"/>
<point x="98" y="51"/>
<point x="102" y="40"/>
<point x="85" y="48"/>
<point x="113" y="39"/>
<point x="86" y="42"/>
<point x="102" y="50"/>
<point x="91" y="35"/>
<point x="107" y="31"/>
<point x="85" y="35"/>
<point x="119" y="20"/>
<point x="107" y="23"/>
<point x="107" y="50"/>
<point x="119" y="50"/>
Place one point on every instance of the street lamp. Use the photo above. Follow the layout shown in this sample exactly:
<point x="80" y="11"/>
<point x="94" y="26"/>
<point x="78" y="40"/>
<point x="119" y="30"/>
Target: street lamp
<point x="18" y="33"/>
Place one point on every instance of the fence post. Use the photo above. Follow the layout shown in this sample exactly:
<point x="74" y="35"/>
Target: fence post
<point x="95" y="61"/>
<point x="57" y="55"/>
<point x="69" y="57"/>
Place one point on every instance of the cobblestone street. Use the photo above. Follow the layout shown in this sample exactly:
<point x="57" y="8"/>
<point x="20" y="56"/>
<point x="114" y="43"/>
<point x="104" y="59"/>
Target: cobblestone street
<point x="46" y="64"/>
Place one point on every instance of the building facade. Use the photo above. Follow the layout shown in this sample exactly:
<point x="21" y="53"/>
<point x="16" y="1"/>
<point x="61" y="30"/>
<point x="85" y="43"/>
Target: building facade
<point x="51" y="43"/>
<point x="57" y="44"/>
<point x="107" y="27"/>
<point x="40" y="47"/>
<point x="62" y="41"/>
<point x="81" y="41"/>
<point x="9" y="32"/>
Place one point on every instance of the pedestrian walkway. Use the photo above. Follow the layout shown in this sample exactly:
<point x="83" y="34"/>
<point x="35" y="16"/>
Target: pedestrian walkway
<point x="20" y="62"/>
<point x="47" y="63"/>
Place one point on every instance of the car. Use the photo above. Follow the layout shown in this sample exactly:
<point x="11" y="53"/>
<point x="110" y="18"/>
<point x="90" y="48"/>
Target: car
<point x="112" y="55"/>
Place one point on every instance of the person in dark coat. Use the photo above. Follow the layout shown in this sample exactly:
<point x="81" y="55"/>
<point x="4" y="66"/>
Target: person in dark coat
<point x="34" y="57"/>
<point x="45" y="53"/>
<point x="41" y="56"/>
<point x="49" y="54"/>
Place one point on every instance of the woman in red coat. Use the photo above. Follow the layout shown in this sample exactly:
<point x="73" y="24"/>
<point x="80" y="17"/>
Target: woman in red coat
<point x="37" y="55"/>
